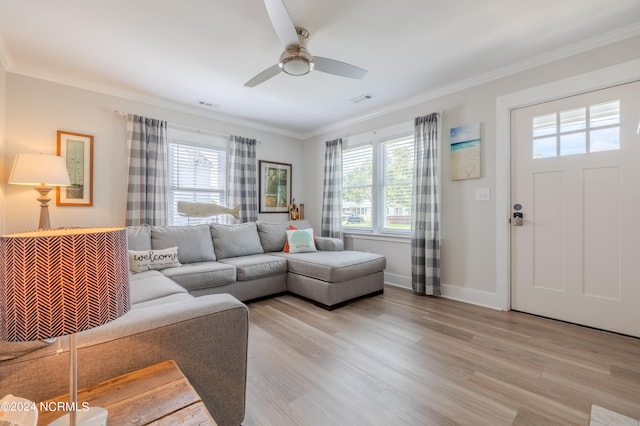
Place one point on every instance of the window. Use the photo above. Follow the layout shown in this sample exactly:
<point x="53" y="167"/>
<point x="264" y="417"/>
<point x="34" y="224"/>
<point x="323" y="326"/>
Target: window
<point x="357" y="187"/>
<point x="397" y="174"/>
<point x="196" y="174"/>
<point x="577" y="131"/>
<point x="376" y="186"/>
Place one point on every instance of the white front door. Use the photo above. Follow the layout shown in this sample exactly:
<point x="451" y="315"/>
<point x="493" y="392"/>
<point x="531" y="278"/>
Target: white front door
<point x="575" y="170"/>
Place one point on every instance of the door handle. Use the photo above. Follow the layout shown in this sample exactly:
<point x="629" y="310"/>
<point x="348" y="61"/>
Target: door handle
<point x="518" y="219"/>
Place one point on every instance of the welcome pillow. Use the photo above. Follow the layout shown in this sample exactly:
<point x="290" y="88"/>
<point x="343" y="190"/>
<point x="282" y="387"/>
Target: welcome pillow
<point x="300" y="240"/>
<point x="153" y="259"/>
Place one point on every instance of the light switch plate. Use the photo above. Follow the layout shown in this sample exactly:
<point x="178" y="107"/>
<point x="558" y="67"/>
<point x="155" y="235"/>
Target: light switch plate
<point x="483" y="194"/>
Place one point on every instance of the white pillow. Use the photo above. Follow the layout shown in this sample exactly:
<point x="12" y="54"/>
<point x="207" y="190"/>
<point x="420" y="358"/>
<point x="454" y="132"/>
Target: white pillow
<point x="153" y="259"/>
<point x="301" y="240"/>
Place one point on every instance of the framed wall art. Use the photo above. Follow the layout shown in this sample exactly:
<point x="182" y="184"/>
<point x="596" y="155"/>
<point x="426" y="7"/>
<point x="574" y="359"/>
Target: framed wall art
<point x="77" y="150"/>
<point x="275" y="187"/>
<point x="465" y="152"/>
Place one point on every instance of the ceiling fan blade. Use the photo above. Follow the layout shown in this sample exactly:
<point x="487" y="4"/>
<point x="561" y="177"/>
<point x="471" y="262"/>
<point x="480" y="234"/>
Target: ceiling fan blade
<point x="264" y="76"/>
<point x="342" y="69"/>
<point x="282" y="22"/>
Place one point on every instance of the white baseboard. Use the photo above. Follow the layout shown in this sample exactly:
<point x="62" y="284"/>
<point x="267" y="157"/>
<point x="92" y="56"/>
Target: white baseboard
<point x="461" y="294"/>
<point x="473" y="296"/>
<point x="397" y="280"/>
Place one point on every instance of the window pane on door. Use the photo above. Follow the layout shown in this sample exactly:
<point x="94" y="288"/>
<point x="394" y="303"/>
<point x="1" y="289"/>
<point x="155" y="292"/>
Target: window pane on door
<point x="573" y="143"/>
<point x="607" y="139"/>
<point x="544" y="125"/>
<point x="606" y="114"/>
<point x="581" y="130"/>
<point x="573" y="120"/>
<point x="545" y="147"/>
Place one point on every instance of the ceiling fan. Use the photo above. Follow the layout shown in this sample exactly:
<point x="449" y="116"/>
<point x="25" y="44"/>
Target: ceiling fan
<point x="296" y="59"/>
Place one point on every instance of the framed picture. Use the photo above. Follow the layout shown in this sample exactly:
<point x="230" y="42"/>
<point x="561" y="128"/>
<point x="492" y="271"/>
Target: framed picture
<point x="275" y="187"/>
<point x="465" y="152"/>
<point x="77" y="150"/>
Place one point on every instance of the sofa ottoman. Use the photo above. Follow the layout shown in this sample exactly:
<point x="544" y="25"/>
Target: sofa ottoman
<point x="333" y="278"/>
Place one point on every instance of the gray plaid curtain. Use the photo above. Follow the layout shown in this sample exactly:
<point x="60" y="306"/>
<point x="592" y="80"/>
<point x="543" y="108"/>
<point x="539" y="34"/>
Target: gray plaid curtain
<point x="332" y="192"/>
<point x="242" y="186"/>
<point x="147" y="198"/>
<point x="425" y="211"/>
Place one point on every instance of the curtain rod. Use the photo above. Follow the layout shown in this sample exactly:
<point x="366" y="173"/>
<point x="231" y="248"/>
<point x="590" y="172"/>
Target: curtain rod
<point x="178" y="126"/>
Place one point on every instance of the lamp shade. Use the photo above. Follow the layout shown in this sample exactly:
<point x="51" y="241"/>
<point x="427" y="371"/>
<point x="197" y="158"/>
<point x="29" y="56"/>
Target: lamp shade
<point x="37" y="169"/>
<point x="59" y="282"/>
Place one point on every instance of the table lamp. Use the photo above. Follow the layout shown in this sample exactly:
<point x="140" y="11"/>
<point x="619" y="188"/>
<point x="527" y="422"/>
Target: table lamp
<point x="59" y="282"/>
<point x="43" y="171"/>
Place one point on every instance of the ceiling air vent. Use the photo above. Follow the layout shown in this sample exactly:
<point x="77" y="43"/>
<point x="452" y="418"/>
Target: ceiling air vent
<point x="362" y="98"/>
<point x="207" y="104"/>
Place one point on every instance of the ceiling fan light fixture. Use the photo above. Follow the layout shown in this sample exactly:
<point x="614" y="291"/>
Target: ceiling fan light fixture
<point x="296" y="59"/>
<point x="296" y="66"/>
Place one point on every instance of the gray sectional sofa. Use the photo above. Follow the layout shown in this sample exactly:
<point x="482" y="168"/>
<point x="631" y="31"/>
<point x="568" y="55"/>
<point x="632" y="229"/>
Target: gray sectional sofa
<point x="247" y="261"/>
<point x="193" y="313"/>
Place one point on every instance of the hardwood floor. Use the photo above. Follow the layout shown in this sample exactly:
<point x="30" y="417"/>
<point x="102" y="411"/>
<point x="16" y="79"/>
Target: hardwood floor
<point x="402" y="359"/>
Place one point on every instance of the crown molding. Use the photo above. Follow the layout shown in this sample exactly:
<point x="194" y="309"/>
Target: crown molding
<point x="552" y="56"/>
<point x="150" y="100"/>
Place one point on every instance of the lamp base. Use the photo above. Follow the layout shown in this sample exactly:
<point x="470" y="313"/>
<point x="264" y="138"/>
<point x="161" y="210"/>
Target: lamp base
<point x="94" y="416"/>
<point x="44" y="206"/>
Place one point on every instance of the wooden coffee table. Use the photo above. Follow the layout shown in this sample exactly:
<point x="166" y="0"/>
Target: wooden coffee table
<point x="159" y="395"/>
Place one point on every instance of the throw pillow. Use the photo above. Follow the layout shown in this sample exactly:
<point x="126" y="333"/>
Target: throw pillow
<point x="153" y="259"/>
<point x="286" y="243"/>
<point x="293" y="228"/>
<point x="300" y="240"/>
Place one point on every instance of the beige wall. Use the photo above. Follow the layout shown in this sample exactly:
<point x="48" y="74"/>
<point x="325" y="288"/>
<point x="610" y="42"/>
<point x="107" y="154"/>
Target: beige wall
<point x="469" y="245"/>
<point x="36" y="109"/>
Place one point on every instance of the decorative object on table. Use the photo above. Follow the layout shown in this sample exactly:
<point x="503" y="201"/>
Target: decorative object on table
<point x="465" y="152"/>
<point x="275" y="187"/>
<point x="59" y="282"/>
<point x="193" y="209"/>
<point x="43" y="170"/>
<point x="77" y="151"/>
<point x="296" y="212"/>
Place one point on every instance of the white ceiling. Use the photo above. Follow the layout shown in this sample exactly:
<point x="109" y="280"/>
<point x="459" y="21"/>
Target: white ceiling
<point x="178" y="53"/>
